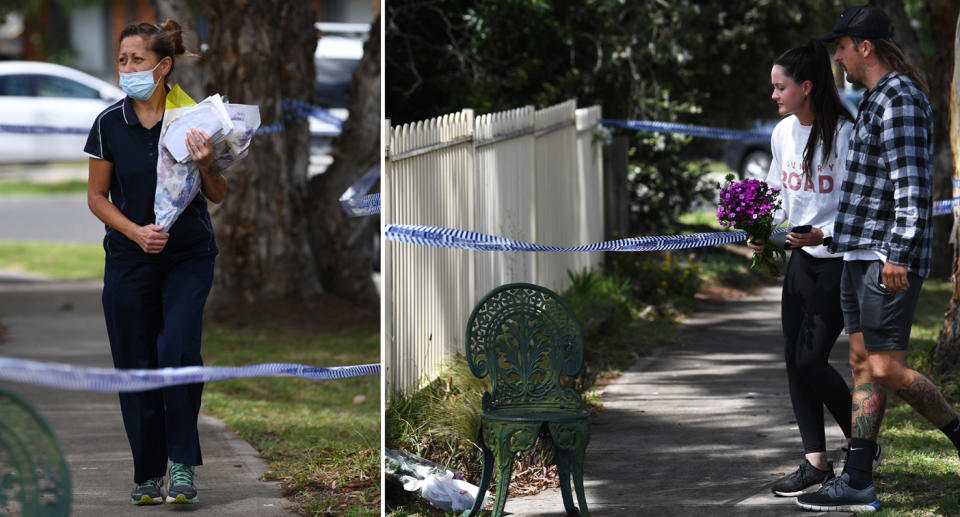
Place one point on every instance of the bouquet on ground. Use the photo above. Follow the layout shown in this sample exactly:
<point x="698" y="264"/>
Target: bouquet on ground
<point x="750" y="205"/>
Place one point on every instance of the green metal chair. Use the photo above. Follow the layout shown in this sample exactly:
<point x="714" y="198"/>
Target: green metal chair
<point x="525" y="337"/>
<point x="34" y="478"/>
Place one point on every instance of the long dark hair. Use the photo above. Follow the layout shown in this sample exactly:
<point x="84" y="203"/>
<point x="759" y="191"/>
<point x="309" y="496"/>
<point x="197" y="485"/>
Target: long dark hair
<point x="812" y="63"/>
<point x="891" y="54"/>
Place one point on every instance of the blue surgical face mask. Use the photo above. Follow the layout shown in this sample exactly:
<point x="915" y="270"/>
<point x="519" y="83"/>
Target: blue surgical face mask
<point x="139" y="85"/>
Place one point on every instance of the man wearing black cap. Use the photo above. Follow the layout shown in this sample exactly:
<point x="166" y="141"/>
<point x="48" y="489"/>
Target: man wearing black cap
<point x="884" y="228"/>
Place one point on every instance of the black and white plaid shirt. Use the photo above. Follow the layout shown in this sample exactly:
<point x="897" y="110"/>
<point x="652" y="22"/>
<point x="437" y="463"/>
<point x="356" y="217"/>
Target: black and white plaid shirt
<point x="886" y="200"/>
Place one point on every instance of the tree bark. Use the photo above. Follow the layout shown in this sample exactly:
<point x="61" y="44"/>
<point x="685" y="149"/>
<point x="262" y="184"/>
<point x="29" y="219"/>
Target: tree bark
<point x="940" y="15"/>
<point x="188" y="72"/>
<point x="343" y="245"/>
<point x="262" y="53"/>
<point x="945" y="356"/>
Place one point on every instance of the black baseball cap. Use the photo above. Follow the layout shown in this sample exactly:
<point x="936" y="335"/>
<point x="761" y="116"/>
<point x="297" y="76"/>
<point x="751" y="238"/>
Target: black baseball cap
<point x="862" y="22"/>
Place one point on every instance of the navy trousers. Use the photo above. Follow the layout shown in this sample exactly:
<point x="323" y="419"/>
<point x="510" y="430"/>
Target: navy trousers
<point x="154" y="316"/>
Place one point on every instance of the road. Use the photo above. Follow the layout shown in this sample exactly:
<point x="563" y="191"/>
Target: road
<point x="47" y="217"/>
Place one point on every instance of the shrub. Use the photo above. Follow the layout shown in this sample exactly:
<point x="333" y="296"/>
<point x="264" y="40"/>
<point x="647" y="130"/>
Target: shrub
<point x="659" y="280"/>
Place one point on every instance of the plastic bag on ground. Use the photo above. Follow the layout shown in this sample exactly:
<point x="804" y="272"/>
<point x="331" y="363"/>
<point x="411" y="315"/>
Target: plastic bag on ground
<point x="436" y="483"/>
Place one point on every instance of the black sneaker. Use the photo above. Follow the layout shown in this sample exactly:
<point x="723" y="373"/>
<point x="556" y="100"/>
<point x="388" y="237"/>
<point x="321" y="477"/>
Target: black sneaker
<point x="148" y="492"/>
<point x="837" y="496"/>
<point x="802" y="479"/>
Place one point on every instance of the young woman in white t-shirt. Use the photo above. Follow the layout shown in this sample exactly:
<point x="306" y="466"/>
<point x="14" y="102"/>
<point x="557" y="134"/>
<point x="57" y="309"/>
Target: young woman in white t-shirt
<point x="809" y="149"/>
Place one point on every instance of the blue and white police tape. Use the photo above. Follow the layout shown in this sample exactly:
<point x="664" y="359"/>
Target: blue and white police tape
<point x="945" y="206"/>
<point x="302" y="109"/>
<point x="70" y="377"/>
<point x="299" y="109"/>
<point x="355" y="200"/>
<point x="464" y="239"/>
<point x="688" y="129"/>
<point x="42" y="130"/>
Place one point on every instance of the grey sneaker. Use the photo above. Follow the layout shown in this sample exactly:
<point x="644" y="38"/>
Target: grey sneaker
<point x="836" y="495"/>
<point x="148" y="492"/>
<point x="805" y="477"/>
<point x="181" y="489"/>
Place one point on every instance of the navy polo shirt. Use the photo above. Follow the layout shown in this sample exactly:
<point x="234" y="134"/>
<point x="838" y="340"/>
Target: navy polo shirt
<point x="118" y="137"/>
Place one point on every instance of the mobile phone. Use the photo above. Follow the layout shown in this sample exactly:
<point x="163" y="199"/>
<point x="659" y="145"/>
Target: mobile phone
<point x="797" y="229"/>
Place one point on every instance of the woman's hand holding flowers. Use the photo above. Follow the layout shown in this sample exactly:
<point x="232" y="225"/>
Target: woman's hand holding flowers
<point x="201" y="148"/>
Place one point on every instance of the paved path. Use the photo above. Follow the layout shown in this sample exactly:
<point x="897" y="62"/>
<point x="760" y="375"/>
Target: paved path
<point x="63" y="322"/>
<point x="700" y="428"/>
<point x="48" y="217"/>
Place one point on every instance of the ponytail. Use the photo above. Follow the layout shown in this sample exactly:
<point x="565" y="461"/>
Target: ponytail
<point x="811" y="62"/>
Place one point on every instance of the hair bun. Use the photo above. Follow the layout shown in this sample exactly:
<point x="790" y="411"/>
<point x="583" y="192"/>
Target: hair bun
<point x="174" y="34"/>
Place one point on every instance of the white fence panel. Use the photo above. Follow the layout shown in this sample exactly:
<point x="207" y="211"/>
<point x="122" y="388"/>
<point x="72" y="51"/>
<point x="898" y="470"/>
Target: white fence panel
<point x="429" y="181"/>
<point x="529" y="175"/>
<point x="558" y="219"/>
<point x="590" y="184"/>
<point x="505" y="194"/>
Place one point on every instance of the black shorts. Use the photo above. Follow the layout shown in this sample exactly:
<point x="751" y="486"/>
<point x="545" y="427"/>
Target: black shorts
<point x="885" y="317"/>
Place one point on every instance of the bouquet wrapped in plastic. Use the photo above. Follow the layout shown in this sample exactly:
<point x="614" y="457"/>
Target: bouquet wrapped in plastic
<point x="230" y="126"/>
<point x="750" y="205"/>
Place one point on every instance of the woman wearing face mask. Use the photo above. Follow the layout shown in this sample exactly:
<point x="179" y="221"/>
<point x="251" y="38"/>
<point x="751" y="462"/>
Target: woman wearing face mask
<point x="809" y="149"/>
<point x="156" y="279"/>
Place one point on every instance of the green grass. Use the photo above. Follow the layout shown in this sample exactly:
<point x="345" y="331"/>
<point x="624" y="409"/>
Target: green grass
<point x="38" y="187"/>
<point x="321" y="438"/>
<point x="703" y="220"/>
<point x="920" y="472"/>
<point x="60" y="260"/>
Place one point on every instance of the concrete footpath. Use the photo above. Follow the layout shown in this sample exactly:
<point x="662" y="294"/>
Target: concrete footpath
<point x="63" y="322"/>
<point x="703" y="427"/>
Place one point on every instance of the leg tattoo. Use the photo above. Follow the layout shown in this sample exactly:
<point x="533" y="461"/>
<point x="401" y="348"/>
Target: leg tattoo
<point x="869" y="401"/>
<point x="924" y="397"/>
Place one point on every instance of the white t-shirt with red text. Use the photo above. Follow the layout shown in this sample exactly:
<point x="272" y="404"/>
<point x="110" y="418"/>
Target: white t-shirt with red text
<point x="807" y="199"/>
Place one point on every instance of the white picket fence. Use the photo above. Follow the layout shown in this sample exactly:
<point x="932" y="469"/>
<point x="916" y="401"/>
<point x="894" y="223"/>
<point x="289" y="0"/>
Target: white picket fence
<point x="530" y="175"/>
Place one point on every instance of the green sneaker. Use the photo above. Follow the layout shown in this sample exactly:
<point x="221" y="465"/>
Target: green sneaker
<point x="148" y="492"/>
<point x="181" y="489"/>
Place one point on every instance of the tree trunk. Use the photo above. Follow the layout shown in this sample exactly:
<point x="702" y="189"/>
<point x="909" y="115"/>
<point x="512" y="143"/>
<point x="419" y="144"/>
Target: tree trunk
<point x="946" y="354"/>
<point x="262" y="53"/>
<point x="940" y="15"/>
<point x="343" y="245"/>
<point x="943" y="23"/>
<point x="188" y="72"/>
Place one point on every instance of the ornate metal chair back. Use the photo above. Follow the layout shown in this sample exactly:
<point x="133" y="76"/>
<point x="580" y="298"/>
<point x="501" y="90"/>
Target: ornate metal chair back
<point x="34" y="478"/>
<point x="526" y="338"/>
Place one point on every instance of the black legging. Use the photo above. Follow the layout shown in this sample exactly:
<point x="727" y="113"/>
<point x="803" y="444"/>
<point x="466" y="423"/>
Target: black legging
<point x="812" y="320"/>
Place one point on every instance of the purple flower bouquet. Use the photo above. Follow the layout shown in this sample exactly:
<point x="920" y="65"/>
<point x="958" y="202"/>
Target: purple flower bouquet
<point x="749" y="205"/>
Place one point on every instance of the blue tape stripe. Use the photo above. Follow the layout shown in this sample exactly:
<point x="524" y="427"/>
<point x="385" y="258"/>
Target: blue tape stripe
<point x="42" y="130"/>
<point x="362" y="205"/>
<point x="303" y="109"/>
<point x="464" y="239"/>
<point x="468" y="240"/>
<point x="689" y="129"/>
<point x="945" y="206"/>
<point x="355" y="200"/>
<point x="272" y="128"/>
<point x="66" y="376"/>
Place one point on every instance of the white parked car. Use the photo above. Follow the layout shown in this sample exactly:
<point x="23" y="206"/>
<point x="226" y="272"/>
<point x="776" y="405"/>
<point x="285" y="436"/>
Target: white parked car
<point x="339" y="49"/>
<point x="46" y="111"/>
